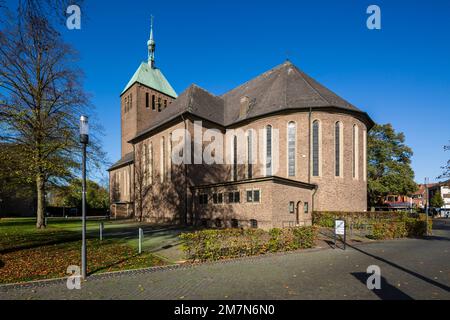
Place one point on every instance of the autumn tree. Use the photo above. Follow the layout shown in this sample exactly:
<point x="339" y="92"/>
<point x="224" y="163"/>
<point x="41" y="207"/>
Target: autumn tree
<point x="42" y="98"/>
<point x="389" y="164"/>
<point x="97" y="196"/>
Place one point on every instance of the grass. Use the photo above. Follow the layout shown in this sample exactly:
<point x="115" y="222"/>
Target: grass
<point x="27" y="253"/>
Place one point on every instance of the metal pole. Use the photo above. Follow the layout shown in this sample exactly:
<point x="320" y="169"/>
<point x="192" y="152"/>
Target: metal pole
<point x="101" y="230"/>
<point x="345" y="237"/>
<point x="141" y="235"/>
<point x="83" y="208"/>
<point x="427" y="206"/>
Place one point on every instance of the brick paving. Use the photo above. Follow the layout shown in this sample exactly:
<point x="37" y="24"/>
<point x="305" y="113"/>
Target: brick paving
<point x="411" y="269"/>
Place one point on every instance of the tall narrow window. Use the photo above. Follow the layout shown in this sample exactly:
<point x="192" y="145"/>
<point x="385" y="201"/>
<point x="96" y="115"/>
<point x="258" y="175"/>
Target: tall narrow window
<point x="235" y="169"/>
<point x="269" y="150"/>
<point x="292" y="133"/>
<point x="159" y="104"/>
<point x="355" y="155"/>
<point x="249" y="154"/>
<point x="147" y="102"/>
<point x="144" y="172"/>
<point x="153" y="102"/>
<point x="364" y="155"/>
<point x="150" y="169"/>
<point x="165" y="104"/>
<point x="163" y="160"/>
<point x="169" y="158"/>
<point x="338" y="152"/>
<point x="315" y="148"/>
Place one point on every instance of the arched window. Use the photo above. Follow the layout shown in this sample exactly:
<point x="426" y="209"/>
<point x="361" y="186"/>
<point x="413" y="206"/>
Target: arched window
<point x="338" y="145"/>
<point x="163" y="159"/>
<point x="249" y="154"/>
<point x="316" y="148"/>
<point x="235" y="169"/>
<point x="355" y="155"/>
<point x="169" y="157"/>
<point x="144" y="173"/>
<point x="150" y="168"/>
<point x="364" y="155"/>
<point x="291" y="144"/>
<point x="269" y="150"/>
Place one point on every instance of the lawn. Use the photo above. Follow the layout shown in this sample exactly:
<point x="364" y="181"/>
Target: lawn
<point x="27" y="253"/>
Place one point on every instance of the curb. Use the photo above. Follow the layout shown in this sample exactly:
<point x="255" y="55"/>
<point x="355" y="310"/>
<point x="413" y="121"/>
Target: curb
<point x="177" y="266"/>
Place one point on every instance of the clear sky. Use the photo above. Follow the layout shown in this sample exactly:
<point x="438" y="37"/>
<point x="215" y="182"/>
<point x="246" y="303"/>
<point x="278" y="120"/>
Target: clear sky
<point x="399" y="74"/>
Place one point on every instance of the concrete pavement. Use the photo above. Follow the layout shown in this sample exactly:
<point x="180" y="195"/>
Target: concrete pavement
<point x="410" y="269"/>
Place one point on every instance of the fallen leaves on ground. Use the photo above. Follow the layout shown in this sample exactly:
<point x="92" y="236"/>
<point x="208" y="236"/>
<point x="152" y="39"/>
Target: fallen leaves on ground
<point x="51" y="261"/>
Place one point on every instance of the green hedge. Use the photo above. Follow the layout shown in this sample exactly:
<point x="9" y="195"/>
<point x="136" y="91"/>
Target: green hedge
<point x="210" y="245"/>
<point x="358" y="219"/>
<point x="384" y="225"/>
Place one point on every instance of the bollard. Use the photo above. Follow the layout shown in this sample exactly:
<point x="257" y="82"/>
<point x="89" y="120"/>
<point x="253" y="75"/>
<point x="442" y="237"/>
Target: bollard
<point x="101" y="230"/>
<point x="141" y="236"/>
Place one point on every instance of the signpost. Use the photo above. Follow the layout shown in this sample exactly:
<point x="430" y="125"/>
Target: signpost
<point x="339" y="230"/>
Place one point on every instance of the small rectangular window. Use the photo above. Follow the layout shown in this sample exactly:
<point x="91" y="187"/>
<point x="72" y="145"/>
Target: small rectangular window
<point x="256" y="195"/>
<point x="215" y="198"/>
<point x="147" y="102"/>
<point x="153" y="102"/>
<point x="253" y="223"/>
<point x="220" y="198"/>
<point x="159" y="104"/>
<point x="203" y="199"/>
<point x="237" y="197"/>
<point x="305" y="207"/>
<point x="291" y="207"/>
<point x="249" y="195"/>
<point x="165" y="104"/>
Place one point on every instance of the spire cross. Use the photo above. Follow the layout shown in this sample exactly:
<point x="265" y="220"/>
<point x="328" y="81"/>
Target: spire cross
<point x="151" y="46"/>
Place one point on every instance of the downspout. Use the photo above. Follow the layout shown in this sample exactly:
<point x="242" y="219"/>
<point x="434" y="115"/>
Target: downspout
<point x="185" y="175"/>
<point x="312" y="198"/>
<point x="309" y="145"/>
<point x="134" y="180"/>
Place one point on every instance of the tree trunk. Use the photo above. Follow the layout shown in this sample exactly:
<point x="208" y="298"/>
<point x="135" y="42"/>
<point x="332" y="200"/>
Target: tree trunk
<point x="40" y="221"/>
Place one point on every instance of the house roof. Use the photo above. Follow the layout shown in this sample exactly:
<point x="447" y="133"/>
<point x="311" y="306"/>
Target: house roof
<point x="153" y="78"/>
<point x="284" y="87"/>
<point x="126" y="159"/>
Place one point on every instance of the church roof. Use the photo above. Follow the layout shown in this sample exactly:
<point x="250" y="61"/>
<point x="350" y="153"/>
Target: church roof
<point x="126" y="159"/>
<point x="284" y="87"/>
<point x="153" y="78"/>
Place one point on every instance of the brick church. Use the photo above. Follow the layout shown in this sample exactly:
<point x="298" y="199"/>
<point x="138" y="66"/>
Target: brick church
<point x="316" y="138"/>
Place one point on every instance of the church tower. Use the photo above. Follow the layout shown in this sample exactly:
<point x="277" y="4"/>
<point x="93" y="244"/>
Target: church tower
<point x="147" y="93"/>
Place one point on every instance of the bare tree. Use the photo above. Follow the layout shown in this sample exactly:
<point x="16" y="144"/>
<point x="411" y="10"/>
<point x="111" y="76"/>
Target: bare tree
<point x="446" y="167"/>
<point x="41" y="99"/>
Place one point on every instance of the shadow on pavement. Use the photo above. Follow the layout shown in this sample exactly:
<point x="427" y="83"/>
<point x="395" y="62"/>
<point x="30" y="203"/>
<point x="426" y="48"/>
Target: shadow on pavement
<point x="387" y="291"/>
<point x="413" y="273"/>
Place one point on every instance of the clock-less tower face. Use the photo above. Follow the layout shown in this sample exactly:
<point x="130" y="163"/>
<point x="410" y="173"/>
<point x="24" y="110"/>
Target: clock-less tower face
<point x="147" y="93"/>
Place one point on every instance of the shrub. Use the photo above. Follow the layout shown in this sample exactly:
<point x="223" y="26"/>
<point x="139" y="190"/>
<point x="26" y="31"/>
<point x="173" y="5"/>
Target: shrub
<point x="385" y="225"/>
<point x="389" y="230"/>
<point x="210" y="245"/>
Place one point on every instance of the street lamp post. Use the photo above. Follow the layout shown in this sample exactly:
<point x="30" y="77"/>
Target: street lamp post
<point x="84" y="139"/>
<point x="427" y="204"/>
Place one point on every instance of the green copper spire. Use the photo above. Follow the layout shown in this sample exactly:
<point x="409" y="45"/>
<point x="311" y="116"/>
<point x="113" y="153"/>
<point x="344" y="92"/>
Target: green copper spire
<point x="151" y="46"/>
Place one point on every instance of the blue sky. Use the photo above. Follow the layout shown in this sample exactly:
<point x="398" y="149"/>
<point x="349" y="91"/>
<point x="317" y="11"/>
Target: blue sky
<point x="399" y="74"/>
